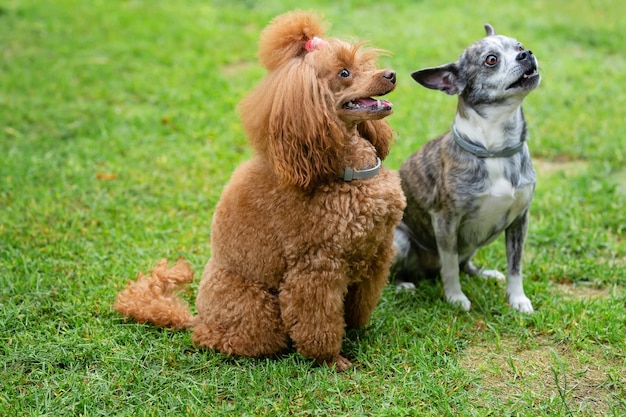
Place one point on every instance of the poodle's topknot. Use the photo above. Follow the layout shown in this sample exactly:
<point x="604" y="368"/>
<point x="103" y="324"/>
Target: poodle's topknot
<point x="286" y="37"/>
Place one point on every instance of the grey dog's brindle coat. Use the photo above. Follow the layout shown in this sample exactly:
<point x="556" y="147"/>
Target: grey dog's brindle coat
<point x="463" y="191"/>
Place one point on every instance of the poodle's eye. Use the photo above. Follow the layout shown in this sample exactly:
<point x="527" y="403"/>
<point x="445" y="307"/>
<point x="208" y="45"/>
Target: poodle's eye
<point x="491" y="60"/>
<point x="344" y="73"/>
<point x="520" y="47"/>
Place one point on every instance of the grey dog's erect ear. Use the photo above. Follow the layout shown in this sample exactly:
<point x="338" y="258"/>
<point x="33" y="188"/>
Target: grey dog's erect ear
<point x="444" y="78"/>
<point x="489" y="29"/>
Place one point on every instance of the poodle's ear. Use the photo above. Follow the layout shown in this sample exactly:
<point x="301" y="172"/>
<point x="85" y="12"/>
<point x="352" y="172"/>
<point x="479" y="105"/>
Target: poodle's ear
<point x="379" y="133"/>
<point x="290" y="119"/>
<point x="286" y="37"/>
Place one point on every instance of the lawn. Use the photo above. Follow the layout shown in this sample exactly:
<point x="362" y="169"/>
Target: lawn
<point x="119" y="129"/>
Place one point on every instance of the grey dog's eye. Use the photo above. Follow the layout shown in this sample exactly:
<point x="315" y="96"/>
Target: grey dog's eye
<point x="491" y="60"/>
<point x="344" y="73"/>
<point x="520" y="47"/>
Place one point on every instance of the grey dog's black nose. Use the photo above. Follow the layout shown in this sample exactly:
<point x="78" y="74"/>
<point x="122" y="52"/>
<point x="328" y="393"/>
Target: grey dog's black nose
<point x="390" y="75"/>
<point x="523" y="55"/>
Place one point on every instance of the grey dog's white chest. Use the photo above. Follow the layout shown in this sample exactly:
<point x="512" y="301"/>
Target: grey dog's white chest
<point x="502" y="201"/>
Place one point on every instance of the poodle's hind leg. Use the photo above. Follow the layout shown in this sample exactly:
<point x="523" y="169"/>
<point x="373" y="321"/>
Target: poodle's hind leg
<point x="238" y="317"/>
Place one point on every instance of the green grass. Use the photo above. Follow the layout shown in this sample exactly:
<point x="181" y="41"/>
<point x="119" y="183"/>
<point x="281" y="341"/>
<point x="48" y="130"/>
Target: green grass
<point x="118" y="130"/>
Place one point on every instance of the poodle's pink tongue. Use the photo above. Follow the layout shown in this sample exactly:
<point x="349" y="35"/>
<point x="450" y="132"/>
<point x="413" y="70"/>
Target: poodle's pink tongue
<point x="370" y="103"/>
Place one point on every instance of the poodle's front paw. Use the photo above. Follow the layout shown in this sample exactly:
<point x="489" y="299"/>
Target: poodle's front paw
<point x="459" y="299"/>
<point x="521" y="303"/>
<point x="339" y="363"/>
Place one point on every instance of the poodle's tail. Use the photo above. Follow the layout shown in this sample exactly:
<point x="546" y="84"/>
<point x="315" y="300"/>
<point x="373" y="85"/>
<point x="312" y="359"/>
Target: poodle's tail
<point x="154" y="298"/>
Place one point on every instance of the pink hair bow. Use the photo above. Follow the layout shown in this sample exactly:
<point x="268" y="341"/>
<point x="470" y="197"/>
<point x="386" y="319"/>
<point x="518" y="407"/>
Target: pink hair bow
<point x="315" y="43"/>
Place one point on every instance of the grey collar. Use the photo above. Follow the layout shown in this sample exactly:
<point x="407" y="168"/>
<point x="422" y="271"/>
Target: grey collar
<point x="350" y="174"/>
<point x="481" y="151"/>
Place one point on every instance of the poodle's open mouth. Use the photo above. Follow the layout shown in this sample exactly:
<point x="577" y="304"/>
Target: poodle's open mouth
<point x="369" y="104"/>
<point x="528" y="77"/>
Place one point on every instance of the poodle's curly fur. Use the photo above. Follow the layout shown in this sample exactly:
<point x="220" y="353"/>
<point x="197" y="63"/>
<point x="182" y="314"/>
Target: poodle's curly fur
<point x="298" y="253"/>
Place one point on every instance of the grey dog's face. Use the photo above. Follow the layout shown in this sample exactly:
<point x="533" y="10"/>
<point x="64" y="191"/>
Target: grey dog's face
<point x="496" y="68"/>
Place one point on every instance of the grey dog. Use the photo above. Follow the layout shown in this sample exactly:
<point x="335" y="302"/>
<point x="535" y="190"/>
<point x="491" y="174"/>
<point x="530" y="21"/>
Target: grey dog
<point x="470" y="184"/>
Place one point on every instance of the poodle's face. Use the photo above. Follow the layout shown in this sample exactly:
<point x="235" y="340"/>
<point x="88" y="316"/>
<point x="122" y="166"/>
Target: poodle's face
<point x="319" y="95"/>
<point x="354" y="82"/>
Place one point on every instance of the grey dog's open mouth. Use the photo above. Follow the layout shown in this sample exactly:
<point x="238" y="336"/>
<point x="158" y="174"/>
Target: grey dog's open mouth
<point x="367" y="103"/>
<point x="529" y="74"/>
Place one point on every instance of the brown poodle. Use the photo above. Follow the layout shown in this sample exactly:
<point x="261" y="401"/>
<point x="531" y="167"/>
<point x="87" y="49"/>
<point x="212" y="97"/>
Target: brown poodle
<point x="302" y="236"/>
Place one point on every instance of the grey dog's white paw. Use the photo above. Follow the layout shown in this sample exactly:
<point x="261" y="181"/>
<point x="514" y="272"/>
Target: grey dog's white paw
<point x="491" y="274"/>
<point x="459" y="299"/>
<point x="472" y="270"/>
<point x="521" y="303"/>
<point x="405" y="287"/>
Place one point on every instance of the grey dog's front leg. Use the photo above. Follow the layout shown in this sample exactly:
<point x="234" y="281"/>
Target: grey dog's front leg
<point x="446" y="230"/>
<point x="515" y="237"/>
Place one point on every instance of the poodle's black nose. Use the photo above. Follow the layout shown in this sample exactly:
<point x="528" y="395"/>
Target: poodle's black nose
<point x="390" y="75"/>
